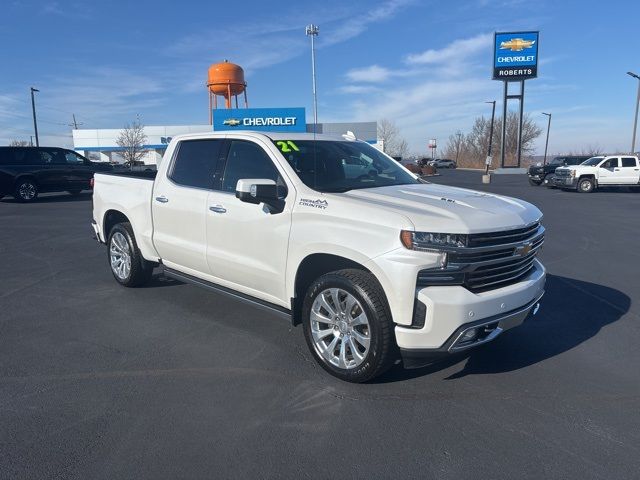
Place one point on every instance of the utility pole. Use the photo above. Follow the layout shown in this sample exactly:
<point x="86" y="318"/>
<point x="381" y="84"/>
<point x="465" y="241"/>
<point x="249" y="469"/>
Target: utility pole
<point x="546" y="145"/>
<point x="493" y="117"/>
<point x="33" y="109"/>
<point x="312" y="31"/>
<point x="635" y="121"/>
<point x="75" y="123"/>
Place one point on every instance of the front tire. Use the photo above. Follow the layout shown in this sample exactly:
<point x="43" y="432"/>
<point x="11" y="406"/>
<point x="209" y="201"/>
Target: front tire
<point x="347" y="325"/>
<point x="128" y="266"/>
<point x="26" y="190"/>
<point x="586" y="185"/>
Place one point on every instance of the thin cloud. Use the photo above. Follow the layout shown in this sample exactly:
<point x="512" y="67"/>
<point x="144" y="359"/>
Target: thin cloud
<point x="454" y="52"/>
<point x="370" y="74"/>
<point x="358" y="24"/>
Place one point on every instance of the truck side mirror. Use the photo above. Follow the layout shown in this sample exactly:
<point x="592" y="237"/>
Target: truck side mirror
<point x="260" y="190"/>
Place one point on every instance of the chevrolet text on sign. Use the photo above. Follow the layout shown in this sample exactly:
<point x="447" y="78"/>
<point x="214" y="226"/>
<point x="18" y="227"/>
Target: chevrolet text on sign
<point x="261" y="119"/>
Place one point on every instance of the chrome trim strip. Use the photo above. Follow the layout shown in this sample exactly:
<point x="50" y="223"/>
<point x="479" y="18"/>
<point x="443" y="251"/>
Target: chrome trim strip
<point x="486" y="248"/>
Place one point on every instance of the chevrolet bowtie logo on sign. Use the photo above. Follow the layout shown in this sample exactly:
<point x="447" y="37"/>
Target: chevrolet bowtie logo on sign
<point x="517" y="44"/>
<point x="515" y="56"/>
<point x="232" y="122"/>
<point x="524" y="249"/>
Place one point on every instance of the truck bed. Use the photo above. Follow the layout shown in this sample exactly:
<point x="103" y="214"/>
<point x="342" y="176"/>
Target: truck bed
<point x="129" y="193"/>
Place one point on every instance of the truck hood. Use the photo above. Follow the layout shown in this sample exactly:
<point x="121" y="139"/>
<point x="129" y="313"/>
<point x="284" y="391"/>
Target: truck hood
<point x="439" y="208"/>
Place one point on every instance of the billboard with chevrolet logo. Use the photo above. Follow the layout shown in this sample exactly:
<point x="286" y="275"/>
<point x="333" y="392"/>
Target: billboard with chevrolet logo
<point x="515" y="56"/>
<point x="260" y="119"/>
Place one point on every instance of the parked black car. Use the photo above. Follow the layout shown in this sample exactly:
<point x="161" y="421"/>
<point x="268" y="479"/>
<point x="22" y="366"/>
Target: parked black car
<point x="27" y="171"/>
<point x="543" y="174"/>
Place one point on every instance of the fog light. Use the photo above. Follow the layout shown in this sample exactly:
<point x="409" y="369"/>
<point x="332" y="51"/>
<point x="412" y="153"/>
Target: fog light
<point x="469" y="335"/>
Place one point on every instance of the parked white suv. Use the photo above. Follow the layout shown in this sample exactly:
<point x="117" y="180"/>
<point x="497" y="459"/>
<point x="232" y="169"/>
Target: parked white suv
<point x="605" y="171"/>
<point x="333" y="234"/>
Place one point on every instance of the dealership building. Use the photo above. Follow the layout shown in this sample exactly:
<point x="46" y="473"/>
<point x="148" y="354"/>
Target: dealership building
<point x="101" y="144"/>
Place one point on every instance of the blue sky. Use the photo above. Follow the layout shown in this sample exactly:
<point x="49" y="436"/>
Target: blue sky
<point x="425" y="65"/>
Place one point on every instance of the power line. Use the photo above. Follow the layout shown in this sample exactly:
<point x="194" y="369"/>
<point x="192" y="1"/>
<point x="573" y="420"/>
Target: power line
<point x="75" y="124"/>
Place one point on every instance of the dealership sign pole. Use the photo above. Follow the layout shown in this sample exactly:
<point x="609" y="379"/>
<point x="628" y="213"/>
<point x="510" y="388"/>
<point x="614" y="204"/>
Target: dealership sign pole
<point x="515" y="59"/>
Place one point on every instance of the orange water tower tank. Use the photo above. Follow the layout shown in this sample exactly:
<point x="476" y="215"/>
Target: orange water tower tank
<point x="226" y="79"/>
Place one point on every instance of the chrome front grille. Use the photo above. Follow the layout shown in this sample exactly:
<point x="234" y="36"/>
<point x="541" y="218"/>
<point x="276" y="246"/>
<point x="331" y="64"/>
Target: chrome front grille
<point x="499" y="238"/>
<point x="495" y="260"/>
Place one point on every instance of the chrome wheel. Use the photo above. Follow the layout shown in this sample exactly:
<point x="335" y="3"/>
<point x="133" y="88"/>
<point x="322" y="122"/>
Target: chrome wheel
<point x="120" y="255"/>
<point x="27" y="191"/>
<point x="340" y="328"/>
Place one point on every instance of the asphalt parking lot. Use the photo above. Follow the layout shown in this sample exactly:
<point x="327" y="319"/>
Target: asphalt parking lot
<point x="172" y="381"/>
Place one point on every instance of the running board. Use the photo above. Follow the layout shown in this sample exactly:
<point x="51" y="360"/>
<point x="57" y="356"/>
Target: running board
<point x="248" y="299"/>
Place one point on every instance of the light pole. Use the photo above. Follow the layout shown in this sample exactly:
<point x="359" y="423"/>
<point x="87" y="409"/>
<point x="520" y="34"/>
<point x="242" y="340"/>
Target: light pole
<point x="493" y="116"/>
<point x="33" y="109"/>
<point x="635" y="121"/>
<point x="546" y="145"/>
<point x="312" y="31"/>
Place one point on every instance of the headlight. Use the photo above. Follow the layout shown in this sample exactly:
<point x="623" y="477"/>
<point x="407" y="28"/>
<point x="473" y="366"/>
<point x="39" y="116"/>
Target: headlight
<point x="432" y="242"/>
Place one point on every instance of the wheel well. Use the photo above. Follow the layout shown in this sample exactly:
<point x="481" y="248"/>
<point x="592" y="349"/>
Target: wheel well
<point x="23" y="177"/>
<point x="112" y="218"/>
<point x="590" y="177"/>
<point x="311" y="268"/>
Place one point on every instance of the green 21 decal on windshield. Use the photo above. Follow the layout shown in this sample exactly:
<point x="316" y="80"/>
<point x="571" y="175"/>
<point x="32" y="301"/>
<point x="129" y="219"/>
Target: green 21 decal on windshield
<point x="287" y="146"/>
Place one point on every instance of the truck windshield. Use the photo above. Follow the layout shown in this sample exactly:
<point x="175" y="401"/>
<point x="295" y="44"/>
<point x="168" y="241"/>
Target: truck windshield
<point x="339" y="166"/>
<point x="593" y="161"/>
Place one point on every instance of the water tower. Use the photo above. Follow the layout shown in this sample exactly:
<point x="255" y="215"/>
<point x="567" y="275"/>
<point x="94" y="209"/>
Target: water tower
<point x="226" y="80"/>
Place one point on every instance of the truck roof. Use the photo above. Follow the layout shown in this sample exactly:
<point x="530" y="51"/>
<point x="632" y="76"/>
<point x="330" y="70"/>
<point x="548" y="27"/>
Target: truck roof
<point x="264" y="135"/>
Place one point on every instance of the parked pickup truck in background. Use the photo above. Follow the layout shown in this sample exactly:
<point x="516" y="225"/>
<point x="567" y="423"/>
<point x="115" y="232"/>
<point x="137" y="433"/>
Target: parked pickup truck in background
<point x="543" y="174"/>
<point x="609" y="171"/>
<point x="372" y="261"/>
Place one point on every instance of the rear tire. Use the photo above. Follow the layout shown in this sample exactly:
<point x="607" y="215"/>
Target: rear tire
<point x="348" y="326"/>
<point x="128" y="266"/>
<point x="26" y="190"/>
<point x="586" y="185"/>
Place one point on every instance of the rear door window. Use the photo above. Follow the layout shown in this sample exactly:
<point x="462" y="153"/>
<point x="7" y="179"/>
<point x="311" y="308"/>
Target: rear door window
<point x="629" y="162"/>
<point x="72" y="158"/>
<point x="195" y="163"/>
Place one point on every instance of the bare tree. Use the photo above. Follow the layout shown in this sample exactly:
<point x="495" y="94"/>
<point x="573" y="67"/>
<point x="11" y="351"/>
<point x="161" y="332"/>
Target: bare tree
<point x="18" y="143"/>
<point x="132" y="139"/>
<point x="392" y="143"/>
<point x="455" y="146"/>
<point x="473" y="150"/>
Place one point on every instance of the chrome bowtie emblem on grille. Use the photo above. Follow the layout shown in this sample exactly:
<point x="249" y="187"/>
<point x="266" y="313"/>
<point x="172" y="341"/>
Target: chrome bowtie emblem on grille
<point x="523" y="249"/>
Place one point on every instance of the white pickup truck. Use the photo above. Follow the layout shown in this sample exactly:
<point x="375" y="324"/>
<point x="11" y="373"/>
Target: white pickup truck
<point x="609" y="171"/>
<point x="372" y="262"/>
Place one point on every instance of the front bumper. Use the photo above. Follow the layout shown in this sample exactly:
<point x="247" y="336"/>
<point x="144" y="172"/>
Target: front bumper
<point x="565" y="182"/>
<point x="452" y="310"/>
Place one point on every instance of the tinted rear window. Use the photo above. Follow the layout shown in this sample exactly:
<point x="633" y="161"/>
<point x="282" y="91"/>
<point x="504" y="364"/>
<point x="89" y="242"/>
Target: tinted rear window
<point x="195" y="163"/>
<point x="628" y="162"/>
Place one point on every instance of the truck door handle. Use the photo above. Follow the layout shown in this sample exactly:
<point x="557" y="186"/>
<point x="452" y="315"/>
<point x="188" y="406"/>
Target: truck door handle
<point x="218" y="209"/>
<point x="616" y="169"/>
<point x="162" y="199"/>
